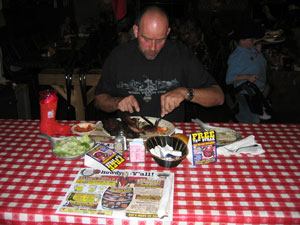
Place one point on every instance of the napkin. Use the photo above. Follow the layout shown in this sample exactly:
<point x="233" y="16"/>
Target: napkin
<point x="247" y="145"/>
<point x="178" y="131"/>
<point x="163" y="152"/>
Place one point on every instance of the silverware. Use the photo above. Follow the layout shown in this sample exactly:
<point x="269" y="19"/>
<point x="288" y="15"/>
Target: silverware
<point x="238" y="149"/>
<point x="157" y="122"/>
<point x="144" y="117"/>
<point x="148" y="121"/>
<point x="202" y="124"/>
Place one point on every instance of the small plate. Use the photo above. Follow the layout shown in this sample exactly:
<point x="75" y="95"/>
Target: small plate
<point x="84" y="126"/>
<point x="226" y="136"/>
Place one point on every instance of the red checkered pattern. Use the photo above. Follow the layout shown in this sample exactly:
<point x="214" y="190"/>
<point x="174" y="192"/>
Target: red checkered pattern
<point x="244" y="189"/>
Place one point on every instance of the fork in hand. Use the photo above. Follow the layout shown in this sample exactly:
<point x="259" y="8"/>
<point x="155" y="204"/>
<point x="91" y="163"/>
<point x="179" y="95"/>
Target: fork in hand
<point x="157" y="122"/>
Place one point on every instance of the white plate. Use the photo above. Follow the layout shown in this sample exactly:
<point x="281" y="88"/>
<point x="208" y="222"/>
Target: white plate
<point x="83" y="125"/>
<point x="162" y="123"/>
<point x="102" y="133"/>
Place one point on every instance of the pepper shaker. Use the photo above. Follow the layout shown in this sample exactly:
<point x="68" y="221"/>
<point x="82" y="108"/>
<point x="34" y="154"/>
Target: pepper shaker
<point x="120" y="143"/>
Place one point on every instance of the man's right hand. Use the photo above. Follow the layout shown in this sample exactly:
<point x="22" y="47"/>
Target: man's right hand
<point x="252" y="78"/>
<point x="128" y="104"/>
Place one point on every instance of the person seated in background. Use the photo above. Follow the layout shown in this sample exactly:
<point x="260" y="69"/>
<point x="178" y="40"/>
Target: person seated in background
<point x="125" y="36"/>
<point x="193" y="37"/>
<point x="247" y="63"/>
<point x="66" y="28"/>
<point x="154" y="76"/>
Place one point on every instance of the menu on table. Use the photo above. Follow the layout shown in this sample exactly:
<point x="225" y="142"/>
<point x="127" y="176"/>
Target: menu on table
<point x="203" y="148"/>
<point x="122" y="194"/>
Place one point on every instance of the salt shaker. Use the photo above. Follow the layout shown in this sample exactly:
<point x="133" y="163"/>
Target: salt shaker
<point x="120" y="143"/>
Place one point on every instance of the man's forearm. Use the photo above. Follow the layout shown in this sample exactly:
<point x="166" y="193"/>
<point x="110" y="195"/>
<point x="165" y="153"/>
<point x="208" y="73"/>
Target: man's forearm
<point x="241" y="77"/>
<point x="107" y="103"/>
<point x="211" y="96"/>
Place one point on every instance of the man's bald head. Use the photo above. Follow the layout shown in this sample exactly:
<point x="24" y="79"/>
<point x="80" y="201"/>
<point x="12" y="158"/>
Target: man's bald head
<point x="152" y="30"/>
<point x="153" y="12"/>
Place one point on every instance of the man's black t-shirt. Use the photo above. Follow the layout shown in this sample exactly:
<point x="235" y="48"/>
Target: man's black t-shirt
<point x="128" y="72"/>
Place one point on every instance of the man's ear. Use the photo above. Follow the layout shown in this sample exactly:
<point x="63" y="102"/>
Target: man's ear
<point x="135" y="30"/>
<point x="169" y="29"/>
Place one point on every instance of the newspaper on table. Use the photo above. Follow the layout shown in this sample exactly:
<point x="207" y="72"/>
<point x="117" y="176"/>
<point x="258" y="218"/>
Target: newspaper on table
<point x="122" y="194"/>
<point x="103" y="157"/>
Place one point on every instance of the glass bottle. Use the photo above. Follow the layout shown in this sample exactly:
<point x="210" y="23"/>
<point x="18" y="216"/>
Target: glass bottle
<point x="120" y="143"/>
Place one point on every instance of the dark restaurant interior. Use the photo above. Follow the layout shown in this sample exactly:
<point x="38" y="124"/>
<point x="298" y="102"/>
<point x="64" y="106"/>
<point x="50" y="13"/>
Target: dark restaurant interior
<point x="39" y="34"/>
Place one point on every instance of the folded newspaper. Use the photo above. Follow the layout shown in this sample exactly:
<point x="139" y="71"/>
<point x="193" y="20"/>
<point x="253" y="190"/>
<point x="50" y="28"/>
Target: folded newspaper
<point x="103" y="157"/>
<point x="122" y="194"/>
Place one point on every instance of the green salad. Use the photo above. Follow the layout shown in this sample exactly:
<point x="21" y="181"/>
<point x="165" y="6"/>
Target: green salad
<point x="72" y="146"/>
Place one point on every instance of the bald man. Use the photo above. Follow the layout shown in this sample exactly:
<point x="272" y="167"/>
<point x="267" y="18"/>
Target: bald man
<point x="153" y="76"/>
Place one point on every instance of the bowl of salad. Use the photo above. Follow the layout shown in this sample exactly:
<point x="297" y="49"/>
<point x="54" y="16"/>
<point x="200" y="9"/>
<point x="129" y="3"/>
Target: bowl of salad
<point x="69" y="148"/>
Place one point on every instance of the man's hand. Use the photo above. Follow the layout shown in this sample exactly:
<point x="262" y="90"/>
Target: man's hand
<point x="252" y="78"/>
<point x="128" y="104"/>
<point x="108" y="103"/>
<point x="171" y="100"/>
<point x="207" y="97"/>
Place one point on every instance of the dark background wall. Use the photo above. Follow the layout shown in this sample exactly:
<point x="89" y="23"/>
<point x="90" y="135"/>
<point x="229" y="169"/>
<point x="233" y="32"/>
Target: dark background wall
<point x="23" y="17"/>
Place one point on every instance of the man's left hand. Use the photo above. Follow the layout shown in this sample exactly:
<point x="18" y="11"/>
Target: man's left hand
<point x="171" y="100"/>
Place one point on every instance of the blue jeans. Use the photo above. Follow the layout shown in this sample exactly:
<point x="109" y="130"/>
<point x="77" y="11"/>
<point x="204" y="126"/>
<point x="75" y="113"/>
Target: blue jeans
<point x="245" y="115"/>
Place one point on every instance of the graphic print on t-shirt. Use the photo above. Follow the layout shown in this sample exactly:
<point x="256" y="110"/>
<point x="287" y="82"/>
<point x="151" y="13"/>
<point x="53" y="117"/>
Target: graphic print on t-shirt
<point x="148" y="87"/>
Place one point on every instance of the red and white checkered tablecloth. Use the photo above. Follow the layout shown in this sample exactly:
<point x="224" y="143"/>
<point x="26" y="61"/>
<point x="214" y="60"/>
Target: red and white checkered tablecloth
<point x="245" y="189"/>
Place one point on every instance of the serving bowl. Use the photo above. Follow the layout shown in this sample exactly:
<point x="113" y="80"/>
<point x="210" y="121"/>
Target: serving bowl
<point x="55" y="142"/>
<point x="174" y="142"/>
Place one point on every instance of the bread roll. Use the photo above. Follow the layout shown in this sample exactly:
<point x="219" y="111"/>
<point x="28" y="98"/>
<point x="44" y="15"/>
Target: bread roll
<point x="182" y="137"/>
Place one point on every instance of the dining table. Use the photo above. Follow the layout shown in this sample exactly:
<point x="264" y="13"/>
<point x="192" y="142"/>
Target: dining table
<point x="237" y="189"/>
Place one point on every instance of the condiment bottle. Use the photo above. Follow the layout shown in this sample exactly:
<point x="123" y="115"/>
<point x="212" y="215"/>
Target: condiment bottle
<point x="120" y="143"/>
